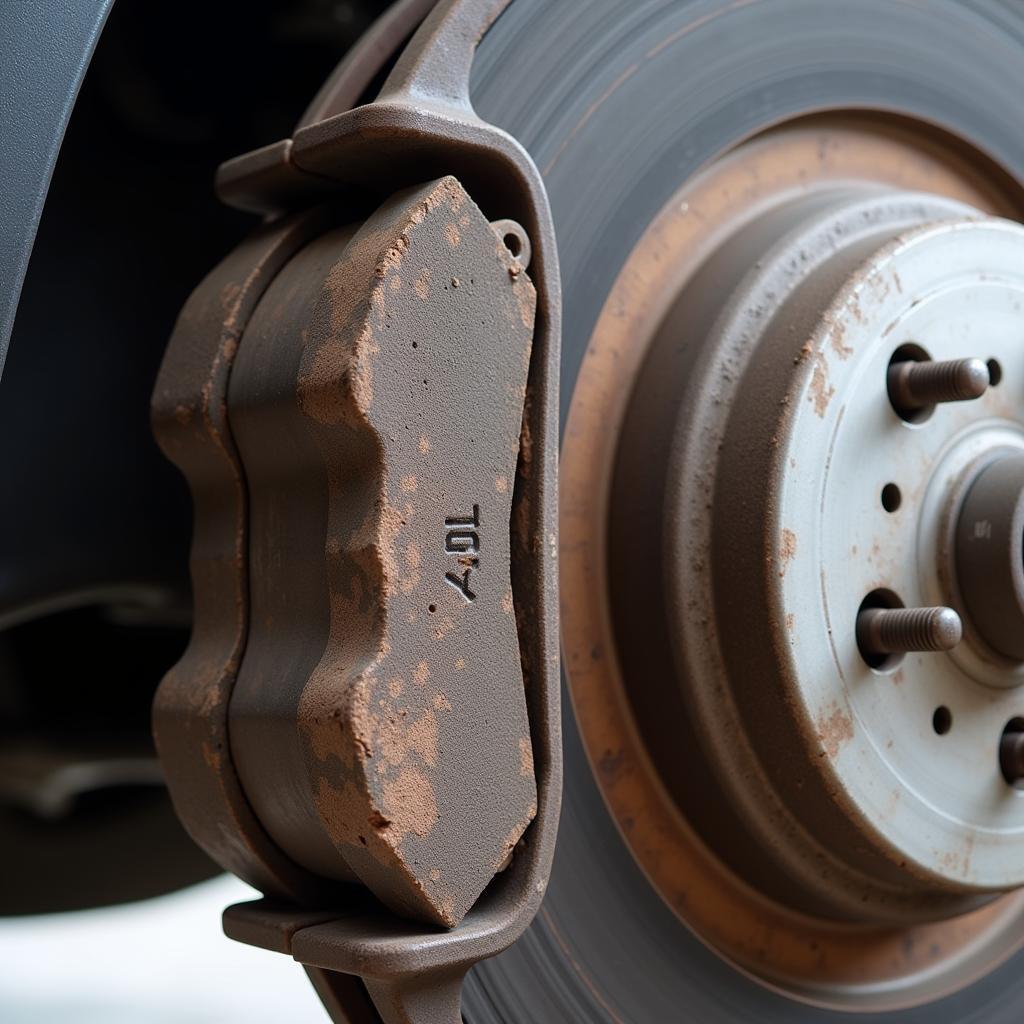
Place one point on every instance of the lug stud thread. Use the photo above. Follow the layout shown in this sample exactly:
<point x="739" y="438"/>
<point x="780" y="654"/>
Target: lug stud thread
<point x="1011" y="756"/>
<point x="917" y="385"/>
<point x="898" y="630"/>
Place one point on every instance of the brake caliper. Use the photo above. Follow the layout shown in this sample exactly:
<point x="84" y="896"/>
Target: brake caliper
<point x="363" y="400"/>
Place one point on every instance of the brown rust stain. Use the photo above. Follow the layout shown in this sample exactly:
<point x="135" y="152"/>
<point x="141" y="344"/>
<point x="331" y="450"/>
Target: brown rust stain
<point x="834" y="730"/>
<point x="410" y="803"/>
<point x="838" y="333"/>
<point x="422" y="284"/>
<point x="525" y="756"/>
<point x="787" y="549"/>
<point x="821" y="391"/>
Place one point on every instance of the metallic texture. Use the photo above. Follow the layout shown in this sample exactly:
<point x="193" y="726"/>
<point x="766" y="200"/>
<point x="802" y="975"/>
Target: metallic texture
<point x="378" y="723"/>
<point x="914" y="385"/>
<point x="990" y="554"/>
<point x="1011" y="755"/>
<point x="621" y="103"/>
<point x="359" y="158"/>
<point x="899" y="630"/>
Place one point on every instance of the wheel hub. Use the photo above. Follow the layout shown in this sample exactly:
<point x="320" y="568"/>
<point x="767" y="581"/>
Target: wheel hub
<point x="846" y="796"/>
<point x="810" y="671"/>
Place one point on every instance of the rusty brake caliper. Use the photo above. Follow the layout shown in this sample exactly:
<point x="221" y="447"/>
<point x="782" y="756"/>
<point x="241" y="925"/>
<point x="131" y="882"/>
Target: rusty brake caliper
<point x="363" y="398"/>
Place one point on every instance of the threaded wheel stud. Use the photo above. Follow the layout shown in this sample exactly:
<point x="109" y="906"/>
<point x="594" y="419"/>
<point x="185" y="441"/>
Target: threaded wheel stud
<point x="898" y="630"/>
<point x="917" y="385"/>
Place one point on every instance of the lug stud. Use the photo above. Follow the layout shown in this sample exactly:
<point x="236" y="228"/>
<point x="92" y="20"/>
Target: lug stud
<point x="914" y="386"/>
<point x="883" y="631"/>
<point x="1011" y="756"/>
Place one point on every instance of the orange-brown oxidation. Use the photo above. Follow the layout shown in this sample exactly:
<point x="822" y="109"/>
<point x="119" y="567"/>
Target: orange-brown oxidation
<point x="787" y="549"/>
<point x="385" y="373"/>
<point x="763" y="937"/>
<point x="525" y="756"/>
<point x="820" y="391"/>
<point x="834" y="729"/>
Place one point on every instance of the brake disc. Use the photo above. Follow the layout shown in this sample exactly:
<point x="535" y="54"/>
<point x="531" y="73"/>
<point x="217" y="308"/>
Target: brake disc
<point x="791" y="520"/>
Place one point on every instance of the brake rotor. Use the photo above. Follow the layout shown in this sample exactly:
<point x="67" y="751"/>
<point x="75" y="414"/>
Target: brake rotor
<point x="662" y="130"/>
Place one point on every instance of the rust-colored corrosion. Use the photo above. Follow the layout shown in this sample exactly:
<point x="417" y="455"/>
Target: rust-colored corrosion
<point x="421" y="126"/>
<point x="190" y="715"/>
<point x="377" y="405"/>
<point x="759" y="933"/>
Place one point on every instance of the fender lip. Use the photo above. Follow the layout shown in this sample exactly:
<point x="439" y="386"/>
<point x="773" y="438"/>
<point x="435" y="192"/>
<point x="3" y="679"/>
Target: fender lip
<point x="45" y="61"/>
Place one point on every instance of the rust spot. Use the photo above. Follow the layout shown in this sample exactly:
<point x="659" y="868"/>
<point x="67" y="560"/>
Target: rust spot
<point x="838" y="334"/>
<point x="821" y="391"/>
<point x="422" y="284"/>
<point x="834" y="730"/>
<point x="525" y="756"/>
<point x="460" y="664"/>
<point x="787" y="549"/>
<point x="410" y="803"/>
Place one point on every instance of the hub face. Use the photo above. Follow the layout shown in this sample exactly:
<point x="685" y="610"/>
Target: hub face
<point x="800" y="667"/>
<point x="875" y="784"/>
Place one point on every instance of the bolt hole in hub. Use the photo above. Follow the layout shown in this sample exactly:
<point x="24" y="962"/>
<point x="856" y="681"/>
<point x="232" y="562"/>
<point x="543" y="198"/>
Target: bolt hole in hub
<point x="824" y="426"/>
<point x="892" y="498"/>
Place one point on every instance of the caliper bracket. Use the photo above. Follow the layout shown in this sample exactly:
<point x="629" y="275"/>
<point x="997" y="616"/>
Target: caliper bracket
<point x="364" y="400"/>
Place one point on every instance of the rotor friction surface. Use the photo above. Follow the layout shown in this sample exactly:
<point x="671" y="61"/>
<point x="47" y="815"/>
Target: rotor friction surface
<point x="619" y="103"/>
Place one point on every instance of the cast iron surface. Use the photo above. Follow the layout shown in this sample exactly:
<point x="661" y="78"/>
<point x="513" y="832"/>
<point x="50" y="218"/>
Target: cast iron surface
<point x="407" y="970"/>
<point x="618" y="102"/>
<point x="378" y="722"/>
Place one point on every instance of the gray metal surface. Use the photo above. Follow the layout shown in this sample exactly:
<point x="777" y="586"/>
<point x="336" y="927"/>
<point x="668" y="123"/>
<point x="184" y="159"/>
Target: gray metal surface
<point x="618" y="102"/>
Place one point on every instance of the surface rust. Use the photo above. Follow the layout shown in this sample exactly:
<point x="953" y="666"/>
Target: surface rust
<point x="378" y="403"/>
<point x="761" y="934"/>
<point x="189" y="412"/>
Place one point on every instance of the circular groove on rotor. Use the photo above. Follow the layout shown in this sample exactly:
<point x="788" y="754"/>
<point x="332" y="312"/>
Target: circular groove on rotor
<point x="619" y="103"/>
